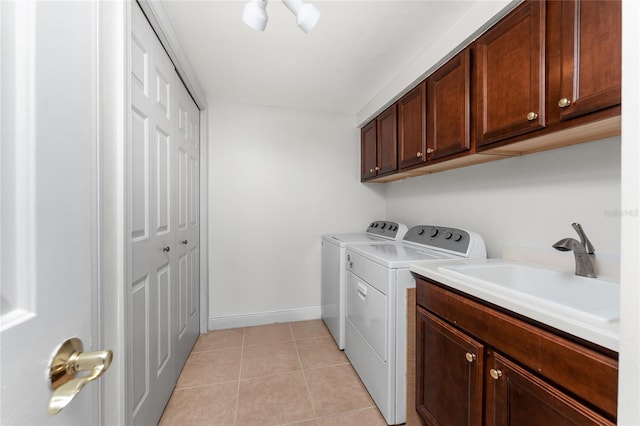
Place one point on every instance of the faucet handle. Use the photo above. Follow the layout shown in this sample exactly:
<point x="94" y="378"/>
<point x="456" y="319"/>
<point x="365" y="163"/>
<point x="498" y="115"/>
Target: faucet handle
<point x="583" y="238"/>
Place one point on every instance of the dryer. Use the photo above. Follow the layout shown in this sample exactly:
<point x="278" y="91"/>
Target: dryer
<point x="377" y="280"/>
<point x="332" y="274"/>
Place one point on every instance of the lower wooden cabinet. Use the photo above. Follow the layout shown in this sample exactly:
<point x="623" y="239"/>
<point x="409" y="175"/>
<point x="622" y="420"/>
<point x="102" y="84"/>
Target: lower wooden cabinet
<point x="449" y="369"/>
<point x="476" y="365"/>
<point x="517" y="397"/>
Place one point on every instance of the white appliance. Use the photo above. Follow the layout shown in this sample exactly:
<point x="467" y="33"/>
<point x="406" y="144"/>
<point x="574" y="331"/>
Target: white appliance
<point x="332" y="278"/>
<point x="378" y="277"/>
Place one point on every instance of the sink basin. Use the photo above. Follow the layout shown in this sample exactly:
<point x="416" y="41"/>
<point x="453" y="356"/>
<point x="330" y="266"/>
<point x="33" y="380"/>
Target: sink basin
<point x="560" y="291"/>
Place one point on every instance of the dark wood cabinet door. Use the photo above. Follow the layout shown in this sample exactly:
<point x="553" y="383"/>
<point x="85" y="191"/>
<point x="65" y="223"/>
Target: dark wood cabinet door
<point x="449" y="108"/>
<point x="412" y="138"/>
<point x="449" y="369"/>
<point x="516" y="397"/>
<point x="387" y="141"/>
<point x="368" y="151"/>
<point x="591" y="64"/>
<point x="510" y="75"/>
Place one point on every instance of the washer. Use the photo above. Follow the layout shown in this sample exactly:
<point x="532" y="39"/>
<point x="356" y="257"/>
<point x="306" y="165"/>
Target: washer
<point x="378" y="277"/>
<point x="332" y="274"/>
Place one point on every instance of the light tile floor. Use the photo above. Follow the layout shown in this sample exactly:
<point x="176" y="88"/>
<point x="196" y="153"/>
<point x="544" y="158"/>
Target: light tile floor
<point x="279" y="374"/>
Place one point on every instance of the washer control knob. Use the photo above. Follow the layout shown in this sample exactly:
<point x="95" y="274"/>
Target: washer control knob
<point x="457" y="237"/>
<point x="447" y="235"/>
<point x="384" y="225"/>
<point x="421" y="231"/>
<point x="434" y="232"/>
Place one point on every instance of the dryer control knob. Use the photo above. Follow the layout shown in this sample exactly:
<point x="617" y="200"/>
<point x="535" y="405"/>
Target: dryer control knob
<point x="457" y="237"/>
<point x="447" y="235"/>
<point x="434" y="232"/>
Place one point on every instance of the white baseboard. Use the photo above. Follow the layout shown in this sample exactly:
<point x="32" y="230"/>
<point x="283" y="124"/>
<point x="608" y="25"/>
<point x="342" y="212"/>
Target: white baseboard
<point x="263" y="318"/>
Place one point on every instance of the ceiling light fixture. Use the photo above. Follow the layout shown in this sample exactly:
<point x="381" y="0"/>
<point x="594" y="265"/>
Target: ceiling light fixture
<point x="307" y="15"/>
<point x="255" y="14"/>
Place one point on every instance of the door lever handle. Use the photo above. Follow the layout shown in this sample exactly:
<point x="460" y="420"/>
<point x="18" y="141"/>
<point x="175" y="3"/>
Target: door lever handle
<point x="69" y="360"/>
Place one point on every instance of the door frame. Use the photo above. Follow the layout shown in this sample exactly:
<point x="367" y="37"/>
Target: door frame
<point x="113" y="99"/>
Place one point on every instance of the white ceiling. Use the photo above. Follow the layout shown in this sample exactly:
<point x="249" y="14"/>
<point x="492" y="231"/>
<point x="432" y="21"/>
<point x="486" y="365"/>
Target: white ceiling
<point x="356" y="49"/>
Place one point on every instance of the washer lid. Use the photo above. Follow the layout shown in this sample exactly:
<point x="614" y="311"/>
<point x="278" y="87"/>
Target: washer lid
<point x="398" y="255"/>
<point x="358" y="238"/>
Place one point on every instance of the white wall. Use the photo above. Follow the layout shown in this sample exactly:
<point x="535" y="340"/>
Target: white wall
<point x="528" y="201"/>
<point x="279" y="179"/>
<point x="629" y="375"/>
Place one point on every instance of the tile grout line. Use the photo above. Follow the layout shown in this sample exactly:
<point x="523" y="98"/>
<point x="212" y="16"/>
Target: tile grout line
<point x="235" y="417"/>
<point x="304" y="376"/>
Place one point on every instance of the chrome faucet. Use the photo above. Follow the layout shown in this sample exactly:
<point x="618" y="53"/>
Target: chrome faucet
<point x="583" y="252"/>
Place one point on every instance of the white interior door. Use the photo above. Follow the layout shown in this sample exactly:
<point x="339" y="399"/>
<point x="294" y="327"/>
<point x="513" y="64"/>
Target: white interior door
<point x="48" y="203"/>
<point x="151" y="324"/>
<point x="187" y="223"/>
<point x="163" y="293"/>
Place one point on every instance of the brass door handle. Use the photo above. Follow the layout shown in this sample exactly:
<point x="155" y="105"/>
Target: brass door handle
<point x="470" y="357"/>
<point x="68" y="360"/>
<point x="429" y="150"/>
<point x="532" y="116"/>
<point x="564" y="102"/>
<point x="418" y="154"/>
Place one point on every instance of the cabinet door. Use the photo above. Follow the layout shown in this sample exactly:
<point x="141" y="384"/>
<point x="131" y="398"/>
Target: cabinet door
<point x="517" y="397"/>
<point x="387" y="141"/>
<point x="368" y="151"/>
<point x="449" y="366"/>
<point x="412" y="119"/>
<point x="448" y="110"/>
<point x="591" y="51"/>
<point x="510" y="75"/>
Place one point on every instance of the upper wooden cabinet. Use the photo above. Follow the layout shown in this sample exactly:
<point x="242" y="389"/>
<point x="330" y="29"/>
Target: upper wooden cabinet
<point x="368" y="151"/>
<point x="449" y="108"/>
<point x="590" y="55"/>
<point x="545" y="76"/>
<point x="510" y="75"/>
<point x="378" y="145"/>
<point x="387" y="141"/>
<point x="412" y="143"/>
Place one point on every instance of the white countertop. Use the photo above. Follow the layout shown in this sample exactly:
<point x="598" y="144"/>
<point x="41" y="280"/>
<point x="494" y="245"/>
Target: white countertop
<point x="603" y="333"/>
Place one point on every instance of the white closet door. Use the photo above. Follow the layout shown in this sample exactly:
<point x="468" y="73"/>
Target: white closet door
<point x="152" y="368"/>
<point x="187" y="223"/>
<point x="163" y="189"/>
